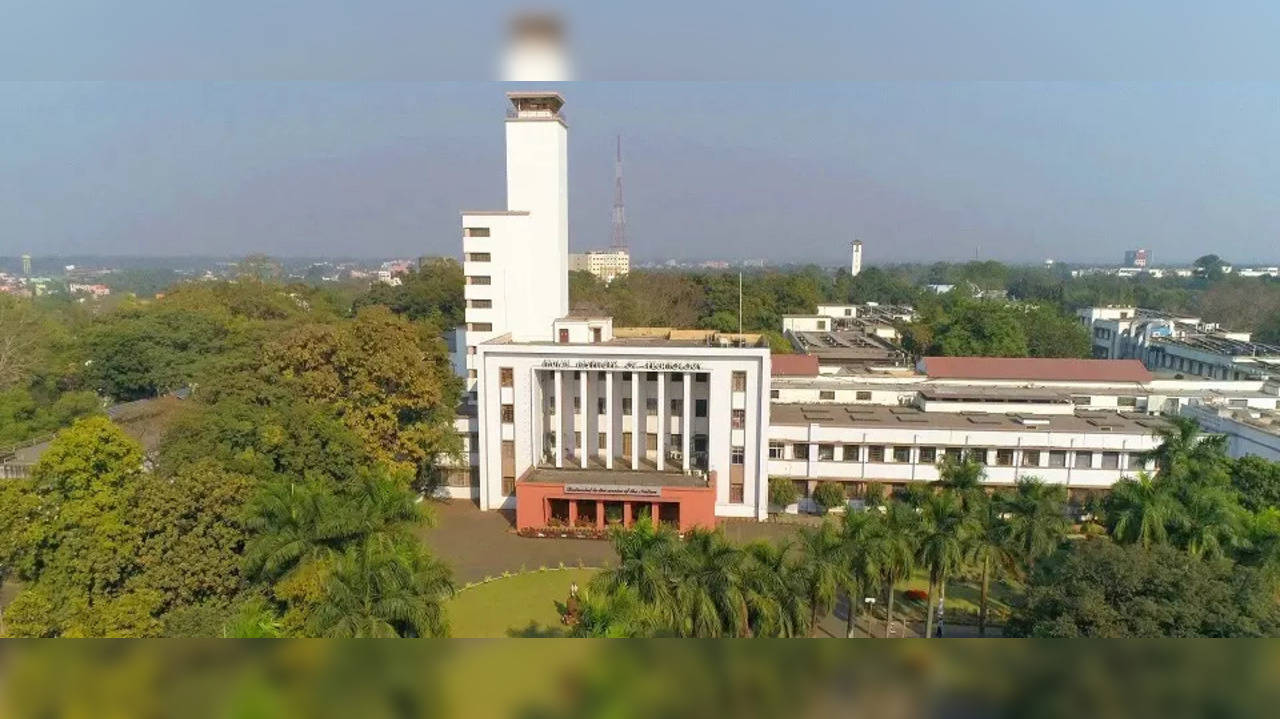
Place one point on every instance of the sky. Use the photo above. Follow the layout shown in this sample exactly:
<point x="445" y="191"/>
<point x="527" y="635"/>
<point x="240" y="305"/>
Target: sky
<point x="1016" y="131"/>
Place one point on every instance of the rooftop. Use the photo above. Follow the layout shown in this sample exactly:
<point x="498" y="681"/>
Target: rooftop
<point x="793" y="365"/>
<point x="884" y="416"/>
<point x="614" y="477"/>
<point x="1036" y="368"/>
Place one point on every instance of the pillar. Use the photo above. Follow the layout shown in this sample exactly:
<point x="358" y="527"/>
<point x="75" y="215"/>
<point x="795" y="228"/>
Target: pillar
<point x="686" y="423"/>
<point x="662" y="420"/>
<point x="559" y="420"/>
<point x="585" y="401"/>
<point x="599" y="514"/>
<point x="653" y="512"/>
<point x="637" y="431"/>
<point x="608" y="416"/>
<point x="573" y="513"/>
<point x="626" y="514"/>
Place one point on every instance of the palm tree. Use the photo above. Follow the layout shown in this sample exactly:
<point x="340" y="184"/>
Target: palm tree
<point x="824" y="569"/>
<point x="1180" y="440"/>
<point x="1141" y="510"/>
<point x="860" y="532"/>
<point x="895" y="551"/>
<point x="964" y="477"/>
<point x="293" y="524"/>
<point x="646" y="559"/>
<point x="381" y="589"/>
<point x="989" y="549"/>
<point x="773" y="591"/>
<point x="708" y="587"/>
<point x="1212" y="522"/>
<point x="944" y="533"/>
<point x="1036" y="514"/>
<point x="1260" y="541"/>
<point x="619" y="614"/>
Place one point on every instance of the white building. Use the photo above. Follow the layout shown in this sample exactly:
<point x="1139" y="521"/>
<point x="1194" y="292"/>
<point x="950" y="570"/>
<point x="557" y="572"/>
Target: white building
<point x="855" y="262"/>
<point x="605" y="264"/>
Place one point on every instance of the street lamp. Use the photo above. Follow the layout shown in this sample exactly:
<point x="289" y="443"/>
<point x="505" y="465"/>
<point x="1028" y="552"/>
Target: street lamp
<point x="870" y="603"/>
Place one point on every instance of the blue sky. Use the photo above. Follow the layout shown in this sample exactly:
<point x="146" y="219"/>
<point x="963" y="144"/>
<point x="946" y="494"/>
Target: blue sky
<point x="1009" y="130"/>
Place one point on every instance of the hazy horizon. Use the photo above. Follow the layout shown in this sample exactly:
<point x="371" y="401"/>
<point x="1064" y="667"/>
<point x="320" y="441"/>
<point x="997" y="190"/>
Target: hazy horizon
<point x="788" y="173"/>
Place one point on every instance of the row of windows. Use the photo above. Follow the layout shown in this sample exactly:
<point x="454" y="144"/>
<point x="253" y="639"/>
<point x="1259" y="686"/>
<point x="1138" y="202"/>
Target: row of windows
<point x="830" y="394"/>
<point x="1003" y="457"/>
<point x="650" y="404"/>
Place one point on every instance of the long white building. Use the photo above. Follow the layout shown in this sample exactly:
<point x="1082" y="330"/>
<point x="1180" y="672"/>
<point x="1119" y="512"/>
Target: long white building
<point x="570" y="421"/>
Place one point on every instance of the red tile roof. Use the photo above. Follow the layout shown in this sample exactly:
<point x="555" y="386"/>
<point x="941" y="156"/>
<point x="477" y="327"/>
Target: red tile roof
<point x="795" y="365"/>
<point x="1029" y="368"/>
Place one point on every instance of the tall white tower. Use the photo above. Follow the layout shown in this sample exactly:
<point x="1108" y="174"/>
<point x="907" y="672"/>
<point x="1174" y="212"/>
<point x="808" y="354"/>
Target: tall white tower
<point x="855" y="265"/>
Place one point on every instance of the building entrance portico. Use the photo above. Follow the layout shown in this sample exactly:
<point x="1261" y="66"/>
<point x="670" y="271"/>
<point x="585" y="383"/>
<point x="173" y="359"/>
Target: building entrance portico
<point x="595" y="499"/>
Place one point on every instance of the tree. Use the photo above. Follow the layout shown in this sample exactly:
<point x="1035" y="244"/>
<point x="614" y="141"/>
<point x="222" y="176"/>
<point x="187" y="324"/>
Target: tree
<point x="963" y="475"/>
<point x="1209" y="267"/>
<point x="1140" y="510"/>
<point x="380" y="589"/>
<point x="1052" y="333"/>
<point x="1182" y="447"/>
<point x="1037" y="519"/>
<point x="829" y="495"/>
<point x="20" y="340"/>
<point x="646" y="559"/>
<point x="75" y="542"/>
<point x="1211" y="524"/>
<point x="708" y="591"/>
<point x="1095" y="588"/>
<point x="895" y="551"/>
<point x="1257" y="481"/>
<point x="823" y="568"/>
<point x="432" y="293"/>
<point x="982" y="330"/>
<point x="386" y="379"/>
<point x="860" y="533"/>
<point x="943" y="539"/>
<point x="773" y="591"/>
<point x="782" y="492"/>
<point x="139" y="352"/>
<point x="990" y="549"/>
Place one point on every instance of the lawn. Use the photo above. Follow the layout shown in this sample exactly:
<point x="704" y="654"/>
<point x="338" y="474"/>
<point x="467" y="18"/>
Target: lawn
<point x="520" y="605"/>
<point x="962" y="597"/>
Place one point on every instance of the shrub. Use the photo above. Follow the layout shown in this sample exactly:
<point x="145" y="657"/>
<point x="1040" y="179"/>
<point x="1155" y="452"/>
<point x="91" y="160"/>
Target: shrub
<point x="916" y="595"/>
<point x="829" y="495"/>
<point x="783" y="492"/>
<point x="873" y="495"/>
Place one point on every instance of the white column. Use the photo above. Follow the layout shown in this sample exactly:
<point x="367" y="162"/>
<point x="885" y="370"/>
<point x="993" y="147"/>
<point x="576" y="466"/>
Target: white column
<point x="662" y="420"/>
<point x="686" y="425"/>
<point x="559" y="416"/>
<point x="637" y="431"/>
<point x="608" y="415"/>
<point x="586" y="412"/>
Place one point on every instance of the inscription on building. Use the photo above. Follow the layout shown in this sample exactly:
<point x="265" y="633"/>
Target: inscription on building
<point x="641" y="365"/>
<point x="629" y="490"/>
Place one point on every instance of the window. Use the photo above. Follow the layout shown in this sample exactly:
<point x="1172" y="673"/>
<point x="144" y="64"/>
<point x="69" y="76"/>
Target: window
<point x="677" y="406"/>
<point x="802" y="487"/>
<point x="1127" y="401"/>
<point x="603" y="441"/>
<point x="602" y="377"/>
<point x="506" y="376"/>
<point x="1111" y="460"/>
<point x="551" y="405"/>
<point x="480" y="304"/>
<point x="595" y="335"/>
<point x="739" y="382"/>
<point x="773" y="394"/>
<point x="1079" y="399"/>
<point x="478" y="257"/>
<point x="902" y="454"/>
<point x="700" y="377"/>
<point x="651" y="404"/>
<point x="577" y="404"/>
<point x="1084" y="460"/>
<point x="826" y="452"/>
<point x="851" y="453"/>
<point x="508" y="485"/>
<point x="800" y="451"/>
<point x="1136" y="461"/>
<point x="862" y="395"/>
<point x="826" y="394"/>
<point x="1004" y="457"/>
<point x="564" y="340"/>
<point x="736" y="493"/>
<point x="508" y="413"/>
<point x="978" y="455"/>
<point x="577" y="374"/>
<point x="471" y="349"/>
<point x="479" y="280"/>
<point x="675" y="441"/>
<point x="626" y="405"/>
<point x="577" y="439"/>
<point x="875" y="453"/>
<point x="480" y="326"/>
<point x="600" y="405"/>
<point x="954" y="453"/>
<point x="738" y="418"/>
<point x="475" y="232"/>
<point x="651" y="376"/>
<point x="471" y="374"/>
<point x="775" y="450"/>
<point x="699" y="408"/>
<point x="1031" y="458"/>
<point x="928" y="455"/>
<point x="1057" y="458"/>
<point x="626" y="376"/>
<point x="651" y="442"/>
<point x="737" y="455"/>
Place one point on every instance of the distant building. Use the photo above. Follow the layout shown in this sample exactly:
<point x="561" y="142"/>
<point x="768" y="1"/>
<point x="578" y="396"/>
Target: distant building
<point x="855" y="263"/>
<point x="1139" y="258"/>
<point x="26" y="265"/>
<point x="605" y="264"/>
<point x="94" y="290"/>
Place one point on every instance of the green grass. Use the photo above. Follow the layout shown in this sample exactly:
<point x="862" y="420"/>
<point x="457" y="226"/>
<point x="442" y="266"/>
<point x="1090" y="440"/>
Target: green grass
<point x="520" y="605"/>
<point x="962" y="596"/>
